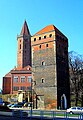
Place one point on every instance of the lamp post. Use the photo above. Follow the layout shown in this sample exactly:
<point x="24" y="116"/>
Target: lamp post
<point x="31" y="94"/>
<point x="31" y="99"/>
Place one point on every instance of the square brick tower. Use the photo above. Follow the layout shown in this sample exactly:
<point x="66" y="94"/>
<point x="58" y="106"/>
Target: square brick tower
<point x="50" y="67"/>
<point x="24" y="47"/>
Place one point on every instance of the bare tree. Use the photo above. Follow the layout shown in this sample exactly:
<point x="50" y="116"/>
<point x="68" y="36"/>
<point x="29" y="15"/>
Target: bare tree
<point x="76" y="76"/>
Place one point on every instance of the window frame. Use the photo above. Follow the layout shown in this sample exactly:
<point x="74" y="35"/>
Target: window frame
<point x="29" y="79"/>
<point x="22" y="79"/>
<point x="15" y="79"/>
<point x="22" y="88"/>
<point x="15" y="88"/>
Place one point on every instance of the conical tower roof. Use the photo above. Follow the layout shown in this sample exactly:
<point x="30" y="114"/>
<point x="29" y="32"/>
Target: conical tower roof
<point x="25" y="30"/>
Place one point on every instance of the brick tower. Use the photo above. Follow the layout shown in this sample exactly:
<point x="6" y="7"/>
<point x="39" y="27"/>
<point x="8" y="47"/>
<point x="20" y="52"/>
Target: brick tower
<point x="50" y="66"/>
<point x="24" y="47"/>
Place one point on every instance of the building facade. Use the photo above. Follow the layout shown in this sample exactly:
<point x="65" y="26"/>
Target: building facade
<point x="47" y="53"/>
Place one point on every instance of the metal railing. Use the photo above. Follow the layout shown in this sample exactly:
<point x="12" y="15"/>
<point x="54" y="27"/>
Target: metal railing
<point x="45" y="115"/>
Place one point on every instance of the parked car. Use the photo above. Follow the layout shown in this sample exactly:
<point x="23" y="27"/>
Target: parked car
<point x="75" y="110"/>
<point x="17" y="105"/>
<point x="9" y="105"/>
<point x="27" y="104"/>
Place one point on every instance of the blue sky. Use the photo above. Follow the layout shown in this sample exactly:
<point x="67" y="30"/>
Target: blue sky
<point x="66" y="15"/>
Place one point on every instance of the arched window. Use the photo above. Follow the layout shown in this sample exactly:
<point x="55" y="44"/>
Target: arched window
<point x="43" y="80"/>
<point x="43" y="63"/>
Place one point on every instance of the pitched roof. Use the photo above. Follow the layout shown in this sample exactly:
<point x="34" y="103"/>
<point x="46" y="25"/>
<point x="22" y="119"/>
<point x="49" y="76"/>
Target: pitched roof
<point x="8" y="74"/>
<point x="49" y="28"/>
<point x="25" y="68"/>
<point x="25" y="30"/>
<point x="46" y="29"/>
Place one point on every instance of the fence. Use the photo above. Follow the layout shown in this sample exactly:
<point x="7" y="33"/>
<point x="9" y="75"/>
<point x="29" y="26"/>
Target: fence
<point x="45" y="115"/>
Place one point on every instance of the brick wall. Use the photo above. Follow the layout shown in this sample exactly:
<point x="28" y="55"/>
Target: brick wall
<point x="47" y="54"/>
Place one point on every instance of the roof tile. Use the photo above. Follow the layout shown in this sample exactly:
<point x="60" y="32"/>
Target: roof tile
<point x="46" y="29"/>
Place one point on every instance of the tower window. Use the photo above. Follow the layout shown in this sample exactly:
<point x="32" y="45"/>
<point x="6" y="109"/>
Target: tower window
<point x="40" y="46"/>
<point x="20" y="46"/>
<point x="45" y="37"/>
<point x="46" y="45"/>
<point x="39" y="38"/>
<point x="34" y="39"/>
<point x="43" y="80"/>
<point x="50" y="35"/>
<point x="43" y="63"/>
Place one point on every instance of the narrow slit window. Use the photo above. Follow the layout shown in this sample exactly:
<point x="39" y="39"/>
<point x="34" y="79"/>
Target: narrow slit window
<point x="20" y="46"/>
<point x="43" y="80"/>
<point x="39" y="38"/>
<point x="50" y="35"/>
<point x="45" y="37"/>
<point x="34" y="39"/>
<point x="46" y="45"/>
<point x="40" y="46"/>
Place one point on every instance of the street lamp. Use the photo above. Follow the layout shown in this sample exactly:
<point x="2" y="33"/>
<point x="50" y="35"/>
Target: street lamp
<point x="31" y="99"/>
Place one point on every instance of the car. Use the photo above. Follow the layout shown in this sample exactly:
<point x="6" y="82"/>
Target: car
<point x="27" y="104"/>
<point x="75" y="110"/>
<point x="17" y="105"/>
<point x="9" y="105"/>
